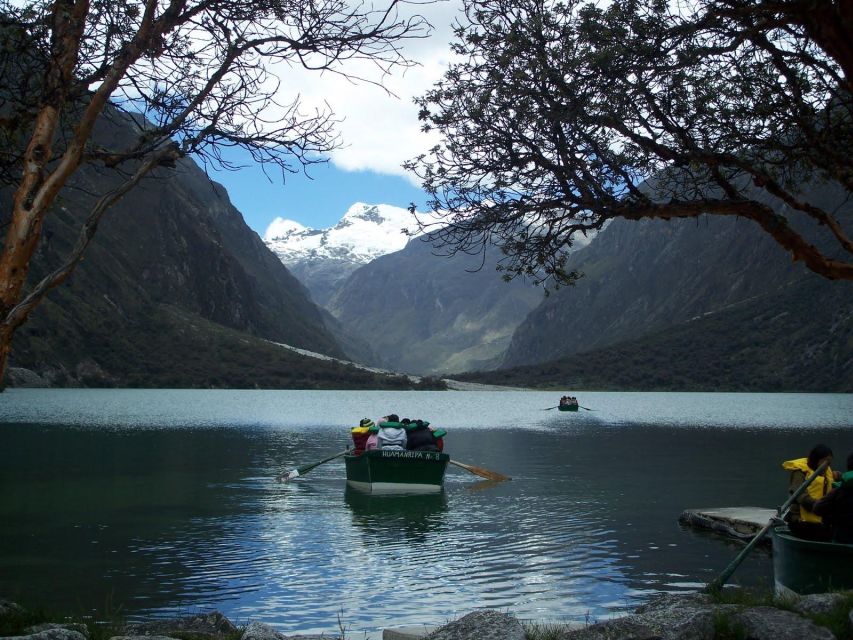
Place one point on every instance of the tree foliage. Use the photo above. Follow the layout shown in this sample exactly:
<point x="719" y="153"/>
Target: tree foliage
<point x="196" y="76"/>
<point x="559" y="116"/>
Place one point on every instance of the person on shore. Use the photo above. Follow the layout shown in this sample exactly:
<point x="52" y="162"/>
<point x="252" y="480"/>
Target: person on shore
<point x="360" y="434"/>
<point x="836" y="509"/>
<point x="802" y="520"/>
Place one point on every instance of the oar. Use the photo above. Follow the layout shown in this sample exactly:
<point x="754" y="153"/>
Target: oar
<point x="549" y="408"/>
<point x="587" y="408"/>
<point x="720" y="580"/>
<point x="301" y="471"/>
<point x="479" y="471"/>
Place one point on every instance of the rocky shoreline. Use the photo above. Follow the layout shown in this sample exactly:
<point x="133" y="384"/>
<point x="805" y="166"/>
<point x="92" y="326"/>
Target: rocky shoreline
<point x="696" y="616"/>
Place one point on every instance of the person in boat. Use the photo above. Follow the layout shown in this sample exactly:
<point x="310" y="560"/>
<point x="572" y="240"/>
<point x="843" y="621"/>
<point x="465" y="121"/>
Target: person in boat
<point x="360" y="434"/>
<point x="392" y="434"/>
<point x="372" y="441"/>
<point x="802" y="519"/>
<point x="836" y="509"/>
<point x="419" y="436"/>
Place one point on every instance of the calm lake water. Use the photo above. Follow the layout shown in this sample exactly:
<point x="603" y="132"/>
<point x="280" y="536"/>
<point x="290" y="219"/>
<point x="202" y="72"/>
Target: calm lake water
<point x="163" y="502"/>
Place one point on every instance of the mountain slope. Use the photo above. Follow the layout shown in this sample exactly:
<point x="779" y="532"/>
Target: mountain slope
<point x="324" y="258"/>
<point x="423" y="313"/>
<point x="173" y="249"/>
<point x="711" y="303"/>
<point x="643" y="276"/>
<point x="772" y="342"/>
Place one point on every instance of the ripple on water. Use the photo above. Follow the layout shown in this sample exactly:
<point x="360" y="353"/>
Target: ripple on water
<point x="169" y="500"/>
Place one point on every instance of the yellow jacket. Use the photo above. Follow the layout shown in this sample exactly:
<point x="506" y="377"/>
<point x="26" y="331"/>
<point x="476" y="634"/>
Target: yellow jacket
<point x="817" y="489"/>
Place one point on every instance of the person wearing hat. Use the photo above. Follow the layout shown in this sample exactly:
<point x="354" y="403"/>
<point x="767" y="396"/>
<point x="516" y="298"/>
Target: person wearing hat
<point x="360" y="434"/>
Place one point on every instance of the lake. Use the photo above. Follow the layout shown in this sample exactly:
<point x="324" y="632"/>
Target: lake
<point x="155" y="503"/>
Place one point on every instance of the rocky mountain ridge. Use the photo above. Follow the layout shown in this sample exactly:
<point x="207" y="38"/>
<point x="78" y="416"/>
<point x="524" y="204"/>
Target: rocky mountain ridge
<point x="323" y="258"/>
<point x="428" y="314"/>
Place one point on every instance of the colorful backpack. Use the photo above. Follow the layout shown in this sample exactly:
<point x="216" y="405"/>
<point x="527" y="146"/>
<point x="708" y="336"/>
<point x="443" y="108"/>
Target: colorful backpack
<point x="419" y="437"/>
<point x="391" y="435"/>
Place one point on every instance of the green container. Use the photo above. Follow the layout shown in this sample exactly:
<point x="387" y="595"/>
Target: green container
<point x="390" y="471"/>
<point x="803" y="566"/>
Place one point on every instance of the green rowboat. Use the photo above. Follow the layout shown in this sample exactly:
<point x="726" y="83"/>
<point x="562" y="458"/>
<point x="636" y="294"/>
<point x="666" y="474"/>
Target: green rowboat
<point x="803" y="566"/>
<point x="391" y="471"/>
<point x="568" y="407"/>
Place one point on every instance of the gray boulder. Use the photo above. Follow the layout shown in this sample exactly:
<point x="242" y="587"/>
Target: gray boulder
<point x="480" y="625"/>
<point x="48" y="626"/>
<point x="818" y="603"/>
<point x="145" y="637"/>
<point x="261" y="631"/>
<point x="680" y="617"/>
<point x="58" y="633"/>
<point x="211" y="624"/>
<point x="769" y="623"/>
<point x="627" y="628"/>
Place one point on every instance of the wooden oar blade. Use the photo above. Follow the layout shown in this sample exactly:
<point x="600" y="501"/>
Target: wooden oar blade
<point x="299" y="471"/>
<point x="479" y="471"/>
<point x="287" y="477"/>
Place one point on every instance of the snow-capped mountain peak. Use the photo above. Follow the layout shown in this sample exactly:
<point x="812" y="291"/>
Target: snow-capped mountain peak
<point x="364" y="232"/>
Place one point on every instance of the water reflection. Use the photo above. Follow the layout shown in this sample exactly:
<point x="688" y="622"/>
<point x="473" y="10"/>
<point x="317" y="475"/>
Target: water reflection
<point x="382" y="518"/>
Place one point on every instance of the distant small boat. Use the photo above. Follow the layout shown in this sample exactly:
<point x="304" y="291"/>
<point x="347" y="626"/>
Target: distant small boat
<point x="568" y="405"/>
<point x="393" y="471"/>
<point x="804" y="566"/>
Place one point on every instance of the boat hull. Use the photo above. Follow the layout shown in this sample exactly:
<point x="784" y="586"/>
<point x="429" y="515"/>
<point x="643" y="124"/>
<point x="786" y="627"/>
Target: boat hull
<point x="568" y="407"/>
<point x="803" y="566"/>
<point x="390" y="471"/>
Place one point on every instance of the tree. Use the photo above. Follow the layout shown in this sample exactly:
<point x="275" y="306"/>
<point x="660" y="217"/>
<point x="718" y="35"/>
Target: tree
<point x="196" y="76"/>
<point x="561" y="115"/>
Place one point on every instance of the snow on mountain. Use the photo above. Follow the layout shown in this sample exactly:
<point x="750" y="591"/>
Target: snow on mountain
<point x="323" y="258"/>
<point x="366" y="231"/>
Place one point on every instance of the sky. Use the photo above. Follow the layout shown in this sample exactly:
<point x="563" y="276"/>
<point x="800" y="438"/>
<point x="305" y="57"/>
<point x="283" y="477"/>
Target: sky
<point x="379" y="132"/>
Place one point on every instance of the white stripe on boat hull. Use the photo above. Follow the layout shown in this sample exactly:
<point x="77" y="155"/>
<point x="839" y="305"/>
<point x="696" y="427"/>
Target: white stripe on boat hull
<point x="394" y="487"/>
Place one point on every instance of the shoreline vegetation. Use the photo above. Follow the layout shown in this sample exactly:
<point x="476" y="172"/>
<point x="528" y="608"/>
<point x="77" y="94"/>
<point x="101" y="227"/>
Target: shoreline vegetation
<point x="730" y="614"/>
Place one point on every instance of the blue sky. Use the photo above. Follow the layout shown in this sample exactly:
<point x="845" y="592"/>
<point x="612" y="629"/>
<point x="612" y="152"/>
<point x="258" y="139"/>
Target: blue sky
<point x="378" y="130"/>
<point x="319" y="201"/>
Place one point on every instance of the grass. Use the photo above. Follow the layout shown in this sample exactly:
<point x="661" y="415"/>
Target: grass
<point x="539" y="631"/>
<point x="836" y="620"/>
<point x="725" y="628"/>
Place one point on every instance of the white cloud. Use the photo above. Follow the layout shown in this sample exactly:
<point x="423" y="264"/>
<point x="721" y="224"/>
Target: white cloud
<point x="379" y="131"/>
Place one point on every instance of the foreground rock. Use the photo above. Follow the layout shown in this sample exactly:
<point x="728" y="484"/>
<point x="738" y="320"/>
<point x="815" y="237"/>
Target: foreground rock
<point x="697" y="617"/>
<point x="481" y="625"/>
<point x="210" y="625"/>
<point x="668" y="617"/>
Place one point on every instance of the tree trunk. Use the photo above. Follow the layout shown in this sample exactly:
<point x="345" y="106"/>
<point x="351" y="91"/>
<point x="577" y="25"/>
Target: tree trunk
<point x="5" y="349"/>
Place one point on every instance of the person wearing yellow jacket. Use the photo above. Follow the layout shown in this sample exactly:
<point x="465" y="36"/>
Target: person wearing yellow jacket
<point x="802" y="519"/>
